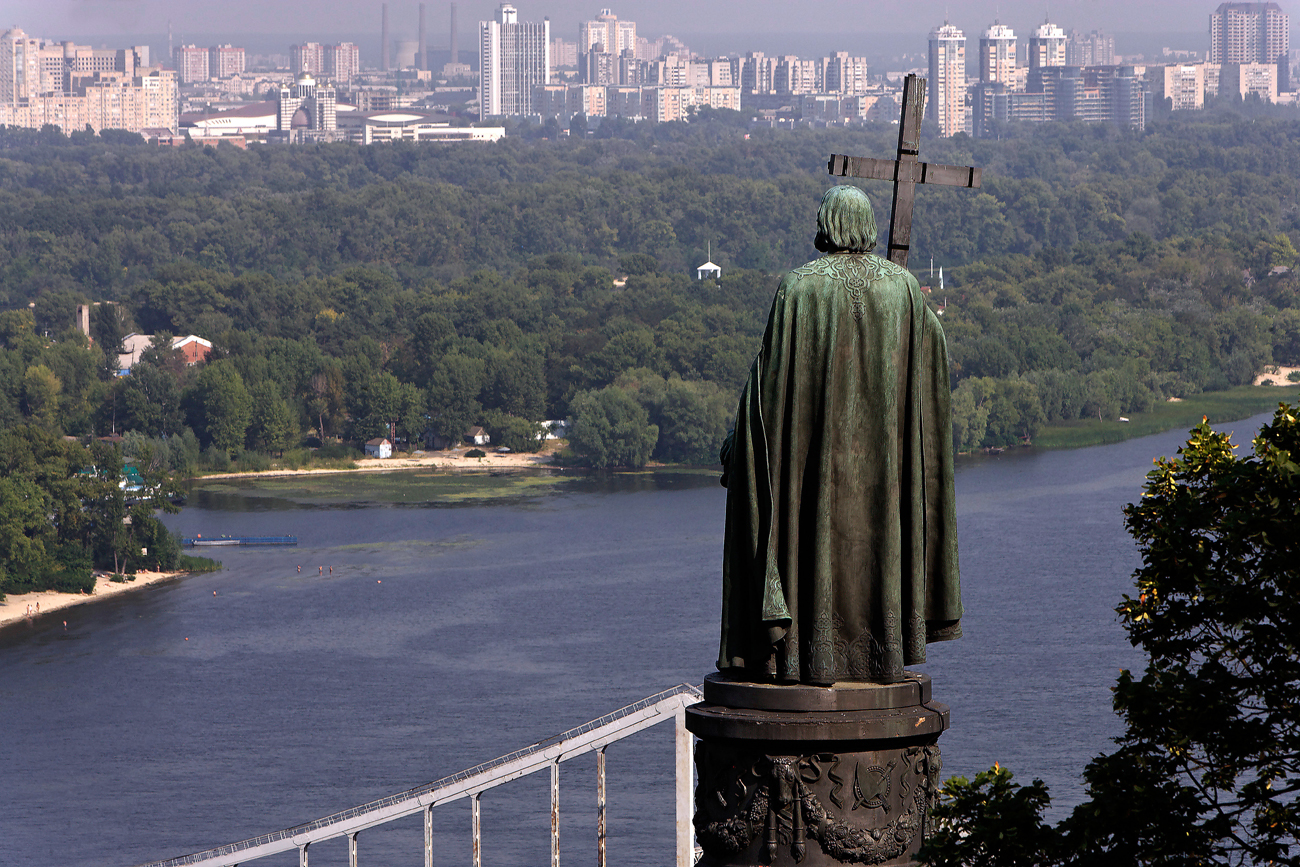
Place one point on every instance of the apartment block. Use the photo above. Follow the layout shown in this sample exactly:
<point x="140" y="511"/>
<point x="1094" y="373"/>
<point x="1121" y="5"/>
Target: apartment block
<point x="106" y="100"/>
<point x="946" y="91"/>
<point x="1250" y="33"/>
<point x="1247" y="79"/>
<point x="307" y="59"/>
<point x="1089" y="49"/>
<point x="1047" y="46"/>
<point x="225" y="61"/>
<point x="847" y="75"/>
<point x="514" y="58"/>
<point x="20" y="66"/>
<point x="342" y="62"/>
<point x="998" y="55"/>
<point x="191" y="63"/>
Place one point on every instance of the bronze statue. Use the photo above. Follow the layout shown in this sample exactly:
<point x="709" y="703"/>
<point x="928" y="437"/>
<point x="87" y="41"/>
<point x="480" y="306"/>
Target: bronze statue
<point x="840" y="559"/>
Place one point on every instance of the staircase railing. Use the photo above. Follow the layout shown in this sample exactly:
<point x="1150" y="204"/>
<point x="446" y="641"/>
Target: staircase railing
<point x="472" y="782"/>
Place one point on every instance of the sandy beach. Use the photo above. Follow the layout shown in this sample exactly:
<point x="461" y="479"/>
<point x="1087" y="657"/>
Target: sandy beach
<point x="16" y="607"/>
<point x="1276" y="375"/>
<point x="448" y="460"/>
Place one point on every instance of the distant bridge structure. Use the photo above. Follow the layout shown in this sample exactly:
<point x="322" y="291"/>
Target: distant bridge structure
<point x="594" y="736"/>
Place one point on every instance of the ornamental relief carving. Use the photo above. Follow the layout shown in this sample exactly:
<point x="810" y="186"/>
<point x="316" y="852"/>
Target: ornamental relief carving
<point x="860" y="808"/>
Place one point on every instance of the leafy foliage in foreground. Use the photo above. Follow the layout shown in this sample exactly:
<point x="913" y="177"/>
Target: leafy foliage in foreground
<point x="1207" y="770"/>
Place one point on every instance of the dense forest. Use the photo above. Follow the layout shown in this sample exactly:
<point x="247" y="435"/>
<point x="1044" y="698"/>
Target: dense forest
<point x="355" y="291"/>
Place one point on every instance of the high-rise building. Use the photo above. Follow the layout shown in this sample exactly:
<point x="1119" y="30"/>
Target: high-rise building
<point x="847" y="75"/>
<point x="307" y="59"/>
<point x="1047" y="46"/>
<point x="605" y="35"/>
<point x="20" y="66"/>
<point x="1244" y="79"/>
<point x="191" y="63"/>
<point x="758" y="73"/>
<point x="998" y="55"/>
<point x="794" y="75"/>
<point x="225" y="61"/>
<point x="1252" y="33"/>
<point x="946" y="99"/>
<point x="1089" y="49"/>
<point x="1182" y="84"/>
<point x="514" y="57"/>
<point x="1249" y="33"/>
<point x="107" y="100"/>
<point x="564" y="54"/>
<point x="342" y="62"/>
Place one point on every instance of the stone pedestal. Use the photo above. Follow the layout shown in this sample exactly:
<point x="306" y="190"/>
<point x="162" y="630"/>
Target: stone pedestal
<point x="814" y="776"/>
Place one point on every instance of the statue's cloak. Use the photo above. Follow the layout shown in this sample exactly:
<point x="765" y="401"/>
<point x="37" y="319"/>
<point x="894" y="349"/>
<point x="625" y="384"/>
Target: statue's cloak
<point x="840" y="559"/>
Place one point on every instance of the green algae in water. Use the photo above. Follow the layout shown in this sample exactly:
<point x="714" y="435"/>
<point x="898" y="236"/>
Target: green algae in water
<point x="411" y="488"/>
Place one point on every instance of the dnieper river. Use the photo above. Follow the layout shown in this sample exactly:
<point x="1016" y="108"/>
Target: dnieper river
<point x="440" y="622"/>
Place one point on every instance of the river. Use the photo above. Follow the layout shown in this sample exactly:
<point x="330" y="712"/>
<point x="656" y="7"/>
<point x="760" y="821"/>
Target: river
<point x="440" y="622"/>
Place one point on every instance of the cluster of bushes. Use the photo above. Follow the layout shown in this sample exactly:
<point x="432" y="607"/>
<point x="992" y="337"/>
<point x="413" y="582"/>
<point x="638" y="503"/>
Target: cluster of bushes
<point x="65" y="510"/>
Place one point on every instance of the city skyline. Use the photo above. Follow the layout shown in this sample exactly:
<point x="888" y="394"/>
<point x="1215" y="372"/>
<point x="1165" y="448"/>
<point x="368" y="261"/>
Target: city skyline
<point x="57" y="18"/>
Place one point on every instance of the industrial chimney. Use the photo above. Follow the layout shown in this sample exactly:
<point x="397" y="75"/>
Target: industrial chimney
<point x="424" y="46"/>
<point x="455" y="55"/>
<point x="383" y="52"/>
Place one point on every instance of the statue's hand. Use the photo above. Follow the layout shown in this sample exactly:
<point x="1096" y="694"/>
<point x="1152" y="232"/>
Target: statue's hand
<point x="724" y="455"/>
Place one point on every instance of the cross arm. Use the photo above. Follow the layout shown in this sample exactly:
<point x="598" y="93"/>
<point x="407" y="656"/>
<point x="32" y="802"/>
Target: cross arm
<point x="889" y="170"/>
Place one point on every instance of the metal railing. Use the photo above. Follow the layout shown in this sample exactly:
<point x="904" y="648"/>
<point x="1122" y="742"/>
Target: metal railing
<point x="470" y="783"/>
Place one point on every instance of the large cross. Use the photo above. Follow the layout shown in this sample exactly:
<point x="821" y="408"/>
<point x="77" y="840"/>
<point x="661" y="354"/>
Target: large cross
<point x="906" y="171"/>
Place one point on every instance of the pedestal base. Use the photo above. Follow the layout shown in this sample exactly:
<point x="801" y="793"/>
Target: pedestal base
<point x="814" y="776"/>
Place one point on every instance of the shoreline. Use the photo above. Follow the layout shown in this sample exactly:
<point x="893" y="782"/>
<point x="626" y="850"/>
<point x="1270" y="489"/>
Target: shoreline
<point x="14" y="608"/>
<point x="417" y="461"/>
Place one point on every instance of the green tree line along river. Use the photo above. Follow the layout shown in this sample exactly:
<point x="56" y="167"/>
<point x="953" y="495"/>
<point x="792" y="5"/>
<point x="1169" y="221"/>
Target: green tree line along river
<point x="352" y="291"/>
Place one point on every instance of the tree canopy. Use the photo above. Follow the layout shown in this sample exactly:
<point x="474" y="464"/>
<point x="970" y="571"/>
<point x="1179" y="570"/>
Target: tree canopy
<point x="1207" y="770"/>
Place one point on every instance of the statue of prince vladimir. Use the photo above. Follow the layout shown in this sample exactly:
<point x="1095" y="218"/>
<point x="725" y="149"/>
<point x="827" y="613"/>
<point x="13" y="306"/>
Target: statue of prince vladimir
<point x="840" y="558"/>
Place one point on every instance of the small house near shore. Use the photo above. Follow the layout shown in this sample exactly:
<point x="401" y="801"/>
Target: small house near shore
<point x="379" y="447"/>
<point x="477" y="436"/>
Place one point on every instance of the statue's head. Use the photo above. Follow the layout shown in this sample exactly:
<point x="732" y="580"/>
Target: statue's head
<point x="845" y="222"/>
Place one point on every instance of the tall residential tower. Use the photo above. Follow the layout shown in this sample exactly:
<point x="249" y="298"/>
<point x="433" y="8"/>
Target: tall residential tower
<point x="514" y="58"/>
<point x="998" y="55"/>
<point x="1047" y="46"/>
<point x="1245" y="33"/>
<point x="946" y="100"/>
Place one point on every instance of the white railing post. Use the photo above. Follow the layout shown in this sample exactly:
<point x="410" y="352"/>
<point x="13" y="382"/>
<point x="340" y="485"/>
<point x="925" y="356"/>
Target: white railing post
<point x="428" y="836"/>
<point x="600" y="807"/>
<point x="476" y="828"/>
<point x="685" y="790"/>
<point x="594" y="736"/>
<point x="555" y="813"/>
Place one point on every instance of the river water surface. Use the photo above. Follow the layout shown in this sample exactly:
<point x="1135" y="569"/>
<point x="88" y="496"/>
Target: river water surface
<point x="458" y="619"/>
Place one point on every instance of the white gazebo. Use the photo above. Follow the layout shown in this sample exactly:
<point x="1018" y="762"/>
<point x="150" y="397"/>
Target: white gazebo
<point x="709" y="271"/>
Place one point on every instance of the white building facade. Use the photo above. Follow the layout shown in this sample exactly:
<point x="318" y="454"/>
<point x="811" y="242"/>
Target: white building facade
<point x="946" y="96"/>
<point x="514" y="58"/>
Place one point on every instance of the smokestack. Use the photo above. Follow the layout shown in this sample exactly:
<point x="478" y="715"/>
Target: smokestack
<point x="383" y="51"/>
<point x="455" y="56"/>
<point x="424" y="47"/>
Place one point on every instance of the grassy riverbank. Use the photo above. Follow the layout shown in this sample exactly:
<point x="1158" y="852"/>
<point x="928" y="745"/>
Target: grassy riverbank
<point x="1219" y="406"/>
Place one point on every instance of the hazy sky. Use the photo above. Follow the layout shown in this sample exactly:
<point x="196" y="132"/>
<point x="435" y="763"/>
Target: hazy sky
<point x="58" y="18"/>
